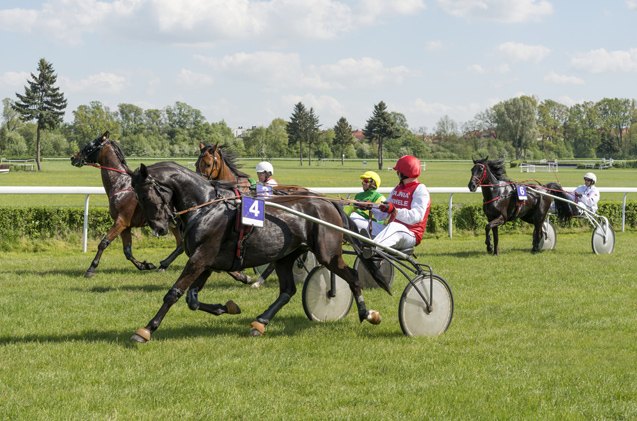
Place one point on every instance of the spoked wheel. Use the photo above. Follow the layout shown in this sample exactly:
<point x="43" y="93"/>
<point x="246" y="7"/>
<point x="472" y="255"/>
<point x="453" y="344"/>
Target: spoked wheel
<point x="302" y="266"/>
<point x="603" y="240"/>
<point x="548" y="237"/>
<point x="415" y="318"/>
<point x="326" y="296"/>
<point x="367" y="280"/>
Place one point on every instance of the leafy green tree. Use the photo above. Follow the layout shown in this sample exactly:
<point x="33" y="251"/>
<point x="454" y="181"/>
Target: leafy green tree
<point x="516" y="122"/>
<point x="43" y="102"/>
<point x="342" y="137"/>
<point x="131" y="119"/>
<point x="582" y="129"/>
<point x="615" y="117"/>
<point x="379" y="127"/>
<point x="302" y="127"/>
<point x="551" y="121"/>
<point x="89" y="121"/>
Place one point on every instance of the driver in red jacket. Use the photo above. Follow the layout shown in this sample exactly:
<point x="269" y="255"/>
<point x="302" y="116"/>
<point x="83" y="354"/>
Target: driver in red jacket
<point x="407" y="208"/>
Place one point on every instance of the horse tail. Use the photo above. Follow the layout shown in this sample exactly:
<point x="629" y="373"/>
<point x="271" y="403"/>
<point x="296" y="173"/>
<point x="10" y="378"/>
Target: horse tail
<point x="565" y="210"/>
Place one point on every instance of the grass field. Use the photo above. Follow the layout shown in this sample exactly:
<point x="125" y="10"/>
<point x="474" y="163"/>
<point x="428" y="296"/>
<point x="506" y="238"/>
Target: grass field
<point x="546" y="336"/>
<point x="320" y="174"/>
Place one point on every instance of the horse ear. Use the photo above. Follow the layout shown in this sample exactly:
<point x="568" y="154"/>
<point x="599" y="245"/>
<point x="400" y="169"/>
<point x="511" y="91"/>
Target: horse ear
<point x="143" y="171"/>
<point x="201" y="146"/>
<point x="106" y="136"/>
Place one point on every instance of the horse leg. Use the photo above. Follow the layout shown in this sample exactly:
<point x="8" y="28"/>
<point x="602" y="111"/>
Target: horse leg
<point x="192" y="298"/>
<point x="127" y="241"/>
<point x="240" y="277"/>
<point x="112" y="234"/>
<point x="179" y="248"/>
<point x="537" y="233"/>
<point x="487" y="241"/>
<point x="190" y="273"/>
<point x="493" y="225"/>
<point x="287" y="289"/>
<point x="340" y="268"/>
<point x="261" y="279"/>
<point x="495" y="241"/>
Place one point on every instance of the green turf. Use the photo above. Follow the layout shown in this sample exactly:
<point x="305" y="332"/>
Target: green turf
<point x="545" y="336"/>
<point x="319" y="174"/>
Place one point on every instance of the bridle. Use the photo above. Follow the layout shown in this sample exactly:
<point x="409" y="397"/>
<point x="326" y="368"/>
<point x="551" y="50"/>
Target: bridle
<point x="483" y="177"/>
<point x="216" y="167"/>
<point x="85" y="154"/>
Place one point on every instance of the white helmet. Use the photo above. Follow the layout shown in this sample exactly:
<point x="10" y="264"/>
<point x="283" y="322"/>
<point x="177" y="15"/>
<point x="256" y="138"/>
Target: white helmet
<point x="264" y="166"/>
<point x="591" y="176"/>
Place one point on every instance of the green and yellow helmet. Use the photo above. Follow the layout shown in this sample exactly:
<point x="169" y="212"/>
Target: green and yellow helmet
<point x="373" y="176"/>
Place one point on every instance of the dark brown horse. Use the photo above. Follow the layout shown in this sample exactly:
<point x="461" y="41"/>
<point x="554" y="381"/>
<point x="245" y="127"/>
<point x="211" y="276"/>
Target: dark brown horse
<point x="211" y="239"/>
<point x="217" y="164"/>
<point x="123" y="206"/>
<point x="501" y="203"/>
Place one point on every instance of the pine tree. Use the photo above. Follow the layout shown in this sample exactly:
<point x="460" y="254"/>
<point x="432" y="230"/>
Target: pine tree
<point x="42" y="101"/>
<point x="342" y="137"/>
<point x="379" y="127"/>
<point x="303" y="127"/>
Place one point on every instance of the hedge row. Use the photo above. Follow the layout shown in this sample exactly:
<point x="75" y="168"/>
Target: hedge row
<point x="47" y="222"/>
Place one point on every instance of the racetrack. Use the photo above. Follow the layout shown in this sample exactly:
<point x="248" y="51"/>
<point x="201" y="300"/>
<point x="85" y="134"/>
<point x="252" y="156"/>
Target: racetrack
<point x="533" y="336"/>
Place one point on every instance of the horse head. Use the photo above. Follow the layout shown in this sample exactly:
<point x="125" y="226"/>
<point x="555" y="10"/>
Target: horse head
<point x="479" y="173"/>
<point x="155" y="200"/>
<point x="89" y="154"/>
<point x="210" y="161"/>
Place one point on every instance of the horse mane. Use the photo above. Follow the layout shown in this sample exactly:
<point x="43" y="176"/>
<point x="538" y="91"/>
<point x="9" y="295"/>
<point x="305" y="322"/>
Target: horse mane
<point x="119" y="153"/>
<point x="229" y="157"/>
<point x="497" y="168"/>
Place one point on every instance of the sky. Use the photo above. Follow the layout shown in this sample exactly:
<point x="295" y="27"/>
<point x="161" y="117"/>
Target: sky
<point x="247" y="62"/>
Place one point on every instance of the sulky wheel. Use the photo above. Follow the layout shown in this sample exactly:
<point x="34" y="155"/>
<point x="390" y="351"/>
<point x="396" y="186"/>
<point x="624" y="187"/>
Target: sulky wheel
<point x="302" y="266"/>
<point x="548" y="237"/>
<point x="326" y="297"/>
<point x="603" y="240"/>
<point x="415" y="319"/>
<point x="367" y="280"/>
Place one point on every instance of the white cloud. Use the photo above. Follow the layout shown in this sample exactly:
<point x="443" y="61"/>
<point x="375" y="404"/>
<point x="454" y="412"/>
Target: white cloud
<point x="359" y="72"/>
<point x="323" y="105"/>
<point x="187" y="77"/>
<point x="203" y="21"/>
<point x="99" y="83"/>
<point x="498" y="10"/>
<point x="481" y="70"/>
<point x="602" y="61"/>
<point x="433" y="45"/>
<point x="477" y="68"/>
<point x="631" y="4"/>
<point x="14" y="80"/>
<point x="524" y="52"/>
<point x="563" y="79"/>
<point x="285" y="70"/>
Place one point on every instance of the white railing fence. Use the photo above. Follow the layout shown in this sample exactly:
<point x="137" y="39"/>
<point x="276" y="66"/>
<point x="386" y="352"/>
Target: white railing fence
<point x="88" y="191"/>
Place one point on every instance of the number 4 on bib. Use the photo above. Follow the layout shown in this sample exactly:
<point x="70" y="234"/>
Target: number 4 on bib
<point x="252" y="211"/>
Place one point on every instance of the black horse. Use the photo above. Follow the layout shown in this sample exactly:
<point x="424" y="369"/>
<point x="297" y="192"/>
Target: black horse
<point x="501" y="203"/>
<point x="123" y="206"/>
<point x="214" y="241"/>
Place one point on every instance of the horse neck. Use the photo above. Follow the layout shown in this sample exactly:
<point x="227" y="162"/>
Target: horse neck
<point x="114" y="171"/>
<point x="491" y="187"/>
<point x="187" y="191"/>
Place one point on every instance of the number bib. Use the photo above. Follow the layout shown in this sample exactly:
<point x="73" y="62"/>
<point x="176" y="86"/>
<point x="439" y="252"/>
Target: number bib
<point x="252" y="211"/>
<point x="521" y="192"/>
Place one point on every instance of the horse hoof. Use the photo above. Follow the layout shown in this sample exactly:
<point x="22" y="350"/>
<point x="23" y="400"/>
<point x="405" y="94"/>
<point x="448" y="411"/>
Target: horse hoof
<point x="141" y="335"/>
<point x="232" y="307"/>
<point x="373" y="317"/>
<point x="257" y="329"/>
<point x="161" y="269"/>
<point x="89" y="274"/>
<point x="256" y="285"/>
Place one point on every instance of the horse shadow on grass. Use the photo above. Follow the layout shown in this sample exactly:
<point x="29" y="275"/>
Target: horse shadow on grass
<point x="285" y="326"/>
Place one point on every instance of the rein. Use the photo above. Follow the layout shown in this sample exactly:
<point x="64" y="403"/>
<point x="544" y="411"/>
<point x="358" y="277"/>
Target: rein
<point x="108" y="168"/>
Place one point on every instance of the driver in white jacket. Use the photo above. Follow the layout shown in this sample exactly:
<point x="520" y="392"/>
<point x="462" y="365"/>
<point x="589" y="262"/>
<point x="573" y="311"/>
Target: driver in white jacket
<point x="587" y="194"/>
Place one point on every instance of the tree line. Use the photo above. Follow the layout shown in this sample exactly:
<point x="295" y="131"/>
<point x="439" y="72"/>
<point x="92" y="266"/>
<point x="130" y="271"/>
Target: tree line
<point x="518" y="128"/>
